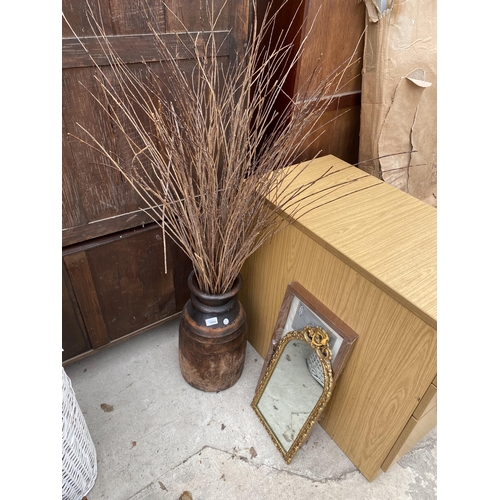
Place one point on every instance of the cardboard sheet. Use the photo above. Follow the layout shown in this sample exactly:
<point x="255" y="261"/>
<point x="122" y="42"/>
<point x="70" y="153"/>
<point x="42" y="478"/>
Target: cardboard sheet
<point x="398" y="137"/>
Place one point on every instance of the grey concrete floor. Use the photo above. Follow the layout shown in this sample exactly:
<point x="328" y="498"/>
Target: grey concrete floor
<point x="156" y="436"/>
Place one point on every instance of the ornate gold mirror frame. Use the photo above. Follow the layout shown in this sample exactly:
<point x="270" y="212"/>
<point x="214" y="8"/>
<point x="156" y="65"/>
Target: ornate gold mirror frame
<point x="266" y="402"/>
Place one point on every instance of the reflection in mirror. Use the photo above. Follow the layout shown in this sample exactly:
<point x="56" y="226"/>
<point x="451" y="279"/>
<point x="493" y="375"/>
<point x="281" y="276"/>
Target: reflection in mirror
<point x="291" y="393"/>
<point x="295" y="389"/>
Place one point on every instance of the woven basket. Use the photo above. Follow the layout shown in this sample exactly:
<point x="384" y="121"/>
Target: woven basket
<point x="79" y="464"/>
<point x="315" y="368"/>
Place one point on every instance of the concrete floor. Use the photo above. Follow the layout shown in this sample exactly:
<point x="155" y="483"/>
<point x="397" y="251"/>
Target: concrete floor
<point x="157" y="437"/>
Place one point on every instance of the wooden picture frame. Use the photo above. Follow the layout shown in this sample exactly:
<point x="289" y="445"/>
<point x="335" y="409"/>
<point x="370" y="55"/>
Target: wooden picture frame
<point x="313" y="313"/>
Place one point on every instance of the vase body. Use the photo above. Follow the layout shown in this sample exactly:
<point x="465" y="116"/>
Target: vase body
<point x="212" y="338"/>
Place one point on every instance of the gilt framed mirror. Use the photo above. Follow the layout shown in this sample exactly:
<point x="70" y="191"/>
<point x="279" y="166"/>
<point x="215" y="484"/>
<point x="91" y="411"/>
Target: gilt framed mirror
<point x="295" y="388"/>
<point x="301" y="308"/>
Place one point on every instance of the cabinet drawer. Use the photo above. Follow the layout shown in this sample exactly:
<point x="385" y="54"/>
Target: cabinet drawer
<point x="423" y="420"/>
<point x="428" y="401"/>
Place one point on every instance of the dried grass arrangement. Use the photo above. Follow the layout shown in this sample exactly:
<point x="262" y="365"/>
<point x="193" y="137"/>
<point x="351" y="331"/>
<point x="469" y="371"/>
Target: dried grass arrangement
<point x="205" y="157"/>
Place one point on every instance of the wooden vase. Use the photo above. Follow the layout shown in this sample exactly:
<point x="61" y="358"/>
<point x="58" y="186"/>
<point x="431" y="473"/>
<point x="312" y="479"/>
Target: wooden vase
<point x="212" y="338"/>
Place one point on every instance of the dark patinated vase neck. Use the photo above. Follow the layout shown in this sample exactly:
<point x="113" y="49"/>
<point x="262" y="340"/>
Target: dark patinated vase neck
<point x="213" y="303"/>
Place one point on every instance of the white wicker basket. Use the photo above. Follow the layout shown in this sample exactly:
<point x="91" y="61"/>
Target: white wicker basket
<point x="79" y="463"/>
<point x="315" y="368"/>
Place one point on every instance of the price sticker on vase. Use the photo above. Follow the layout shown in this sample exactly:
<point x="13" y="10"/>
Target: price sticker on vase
<point x="211" y="321"/>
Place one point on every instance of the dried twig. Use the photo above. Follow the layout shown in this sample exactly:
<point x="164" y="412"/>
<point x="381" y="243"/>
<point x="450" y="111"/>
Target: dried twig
<point x="204" y="158"/>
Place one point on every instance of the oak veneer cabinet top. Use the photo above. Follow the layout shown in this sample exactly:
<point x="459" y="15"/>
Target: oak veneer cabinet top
<point x="368" y="253"/>
<point x="386" y="235"/>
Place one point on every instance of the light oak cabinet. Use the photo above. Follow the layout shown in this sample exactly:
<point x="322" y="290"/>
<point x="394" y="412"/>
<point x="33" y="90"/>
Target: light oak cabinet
<point x="369" y="255"/>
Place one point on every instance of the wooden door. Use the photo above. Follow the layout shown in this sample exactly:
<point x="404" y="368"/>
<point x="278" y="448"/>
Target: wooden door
<point x="333" y="32"/>
<point x="115" y="286"/>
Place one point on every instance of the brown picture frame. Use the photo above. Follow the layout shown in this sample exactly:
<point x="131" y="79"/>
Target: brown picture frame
<point x="315" y="313"/>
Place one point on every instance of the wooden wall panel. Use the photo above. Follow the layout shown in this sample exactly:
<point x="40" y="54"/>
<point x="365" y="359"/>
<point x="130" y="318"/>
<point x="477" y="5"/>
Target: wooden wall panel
<point x="95" y="198"/>
<point x="128" y="18"/>
<point x="130" y="281"/>
<point x="338" y="135"/>
<point x="75" y="13"/>
<point x="116" y="286"/>
<point x="80" y="274"/>
<point x="333" y="34"/>
<point x="336" y="28"/>
<point x="72" y="211"/>
<point x="121" y="17"/>
<point x="74" y="339"/>
<point x="193" y="15"/>
<point x="91" y="191"/>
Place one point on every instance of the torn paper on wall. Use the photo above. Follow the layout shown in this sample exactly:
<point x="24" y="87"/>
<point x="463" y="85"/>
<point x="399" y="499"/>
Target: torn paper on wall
<point x="398" y="136"/>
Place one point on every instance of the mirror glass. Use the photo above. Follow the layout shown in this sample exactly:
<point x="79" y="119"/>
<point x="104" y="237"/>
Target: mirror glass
<point x="296" y="387"/>
<point x="291" y="393"/>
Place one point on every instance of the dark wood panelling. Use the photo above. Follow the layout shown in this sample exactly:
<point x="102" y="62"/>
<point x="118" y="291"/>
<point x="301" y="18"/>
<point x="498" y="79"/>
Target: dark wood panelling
<point x="193" y="15"/>
<point x="120" y="287"/>
<point x="335" y="28"/>
<point x="182" y="267"/>
<point x="130" y="280"/>
<point x="128" y="18"/>
<point x="331" y="32"/>
<point x="136" y="48"/>
<point x="81" y="278"/>
<point x="288" y="24"/>
<point x="72" y="213"/>
<point x="74" y="336"/>
<point x="75" y="12"/>
<point x="348" y="100"/>
<point x="85" y="232"/>
<point x="239" y="15"/>
<point x="340" y="135"/>
<point x="91" y="191"/>
<point x="125" y="17"/>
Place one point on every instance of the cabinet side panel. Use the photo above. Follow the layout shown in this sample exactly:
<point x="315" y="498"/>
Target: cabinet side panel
<point x="414" y="431"/>
<point x="392" y="363"/>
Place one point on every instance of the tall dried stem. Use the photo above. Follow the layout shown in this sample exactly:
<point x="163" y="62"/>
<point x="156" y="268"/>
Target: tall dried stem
<point x="205" y="159"/>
